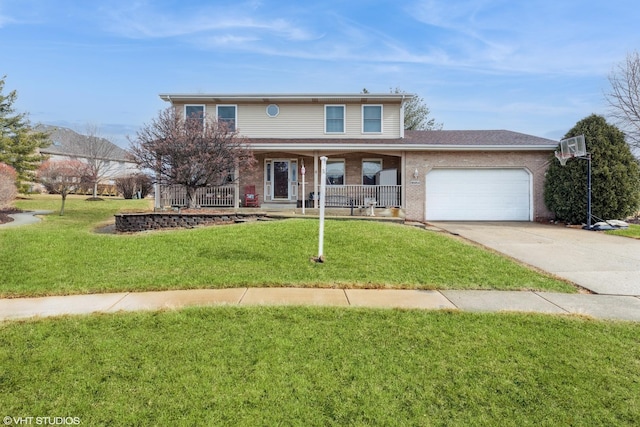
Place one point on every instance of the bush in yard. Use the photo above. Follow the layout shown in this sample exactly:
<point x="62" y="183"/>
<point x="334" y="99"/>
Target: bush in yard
<point x="130" y="185"/>
<point x="615" y="176"/>
<point x="126" y="186"/>
<point x="8" y="189"/>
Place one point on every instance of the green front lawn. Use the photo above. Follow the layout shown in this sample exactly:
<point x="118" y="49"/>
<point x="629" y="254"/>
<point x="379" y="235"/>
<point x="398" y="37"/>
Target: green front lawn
<point x="62" y="255"/>
<point x="322" y="366"/>
<point x="632" y="231"/>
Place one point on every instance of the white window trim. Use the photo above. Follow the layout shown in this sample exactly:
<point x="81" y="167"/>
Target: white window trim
<point x="344" y="119"/>
<point x="204" y="109"/>
<point x="362" y="167"/>
<point x="235" y="119"/>
<point x="381" y="118"/>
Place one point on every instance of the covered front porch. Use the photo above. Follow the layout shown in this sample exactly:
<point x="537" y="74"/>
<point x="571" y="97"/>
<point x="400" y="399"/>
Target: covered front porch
<point x="287" y="180"/>
<point x="352" y="179"/>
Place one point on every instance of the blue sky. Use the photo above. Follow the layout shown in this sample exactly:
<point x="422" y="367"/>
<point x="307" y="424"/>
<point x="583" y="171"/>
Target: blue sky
<point x="535" y="66"/>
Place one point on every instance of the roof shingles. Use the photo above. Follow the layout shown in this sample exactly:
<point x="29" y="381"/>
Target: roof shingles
<point x="444" y="138"/>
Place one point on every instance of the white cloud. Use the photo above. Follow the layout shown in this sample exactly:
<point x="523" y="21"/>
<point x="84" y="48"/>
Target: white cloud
<point x="229" y="40"/>
<point x="4" y="20"/>
<point x="141" y="21"/>
<point x="546" y="36"/>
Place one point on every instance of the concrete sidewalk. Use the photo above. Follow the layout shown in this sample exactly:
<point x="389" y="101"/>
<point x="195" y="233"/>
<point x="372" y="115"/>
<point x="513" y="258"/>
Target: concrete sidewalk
<point x="597" y="306"/>
<point x="24" y="218"/>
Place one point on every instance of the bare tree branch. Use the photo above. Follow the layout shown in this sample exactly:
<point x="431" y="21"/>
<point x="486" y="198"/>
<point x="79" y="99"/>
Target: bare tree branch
<point x="624" y="97"/>
<point x="63" y="177"/>
<point x="97" y="153"/>
<point x="195" y="152"/>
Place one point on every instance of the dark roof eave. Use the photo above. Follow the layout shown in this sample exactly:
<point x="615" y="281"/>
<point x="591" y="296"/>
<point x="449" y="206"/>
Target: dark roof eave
<point x="284" y="97"/>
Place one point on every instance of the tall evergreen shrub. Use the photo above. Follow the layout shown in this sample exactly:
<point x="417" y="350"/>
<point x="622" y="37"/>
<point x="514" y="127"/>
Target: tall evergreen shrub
<point x="615" y="176"/>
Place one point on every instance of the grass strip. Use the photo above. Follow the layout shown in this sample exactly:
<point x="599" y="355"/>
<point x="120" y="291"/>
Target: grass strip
<point x="322" y="366"/>
<point x="633" y="231"/>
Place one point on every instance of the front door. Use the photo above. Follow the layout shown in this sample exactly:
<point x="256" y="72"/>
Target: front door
<point x="281" y="183"/>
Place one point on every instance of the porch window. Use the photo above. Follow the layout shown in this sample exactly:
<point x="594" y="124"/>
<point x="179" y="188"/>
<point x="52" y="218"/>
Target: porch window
<point x="370" y="168"/>
<point x="372" y="118"/>
<point x="227" y="114"/>
<point x="335" y="172"/>
<point x="194" y="112"/>
<point x="334" y="118"/>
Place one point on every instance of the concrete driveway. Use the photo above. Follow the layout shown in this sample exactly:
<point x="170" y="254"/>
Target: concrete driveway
<point x="602" y="263"/>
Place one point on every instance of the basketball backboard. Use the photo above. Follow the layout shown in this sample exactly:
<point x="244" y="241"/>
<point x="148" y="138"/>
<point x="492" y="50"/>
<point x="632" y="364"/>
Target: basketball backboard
<point x="570" y="148"/>
<point x="573" y="147"/>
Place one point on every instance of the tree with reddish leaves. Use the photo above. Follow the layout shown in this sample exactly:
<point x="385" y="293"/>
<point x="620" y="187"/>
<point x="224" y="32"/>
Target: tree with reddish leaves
<point x="8" y="189"/>
<point x="194" y="151"/>
<point x="63" y="177"/>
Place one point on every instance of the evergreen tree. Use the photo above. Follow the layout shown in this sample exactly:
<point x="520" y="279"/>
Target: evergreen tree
<point x="615" y="176"/>
<point x="416" y="114"/>
<point x="19" y="143"/>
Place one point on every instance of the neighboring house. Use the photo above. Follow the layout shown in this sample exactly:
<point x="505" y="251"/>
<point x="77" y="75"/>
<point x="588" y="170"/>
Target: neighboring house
<point x="112" y="160"/>
<point x="431" y="175"/>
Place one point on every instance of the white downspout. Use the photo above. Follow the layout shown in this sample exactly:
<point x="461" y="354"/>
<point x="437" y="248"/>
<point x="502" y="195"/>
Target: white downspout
<point x="402" y="117"/>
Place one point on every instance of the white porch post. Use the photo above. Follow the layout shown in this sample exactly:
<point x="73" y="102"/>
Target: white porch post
<point x="236" y="188"/>
<point x="157" y="196"/>
<point x="315" y="180"/>
<point x="403" y="180"/>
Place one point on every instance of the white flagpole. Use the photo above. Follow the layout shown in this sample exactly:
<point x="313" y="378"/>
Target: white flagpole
<point x="304" y="194"/>
<point x="323" y="185"/>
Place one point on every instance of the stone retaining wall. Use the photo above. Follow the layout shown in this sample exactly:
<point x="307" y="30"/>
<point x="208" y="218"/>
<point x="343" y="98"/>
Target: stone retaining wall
<point x="133" y="222"/>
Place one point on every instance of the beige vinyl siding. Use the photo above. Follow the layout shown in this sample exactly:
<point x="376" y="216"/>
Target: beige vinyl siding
<point x="306" y="121"/>
<point x="293" y="121"/>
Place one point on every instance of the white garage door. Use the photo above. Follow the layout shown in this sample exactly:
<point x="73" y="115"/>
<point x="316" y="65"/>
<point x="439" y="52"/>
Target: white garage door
<point x="478" y="195"/>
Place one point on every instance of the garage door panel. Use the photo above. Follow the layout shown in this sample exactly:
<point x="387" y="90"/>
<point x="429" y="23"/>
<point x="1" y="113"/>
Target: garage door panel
<point x="478" y="194"/>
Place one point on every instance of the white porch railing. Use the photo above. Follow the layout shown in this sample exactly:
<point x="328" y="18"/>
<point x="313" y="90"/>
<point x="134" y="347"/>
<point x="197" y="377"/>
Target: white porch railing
<point x="357" y="195"/>
<point x="176" y="195"/>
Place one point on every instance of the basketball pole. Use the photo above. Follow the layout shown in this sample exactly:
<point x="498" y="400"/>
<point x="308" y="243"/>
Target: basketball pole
<point x="588" y="157"/>
<point x="576" y="147"/>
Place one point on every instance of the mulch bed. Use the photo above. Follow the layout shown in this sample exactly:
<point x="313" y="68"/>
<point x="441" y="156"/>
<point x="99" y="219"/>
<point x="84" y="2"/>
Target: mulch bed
<point x="4" y="214"/>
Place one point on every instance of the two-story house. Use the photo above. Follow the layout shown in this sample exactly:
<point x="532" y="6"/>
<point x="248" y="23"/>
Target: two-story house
<point x="431" y="175"/>
<point x="109" y="160"/>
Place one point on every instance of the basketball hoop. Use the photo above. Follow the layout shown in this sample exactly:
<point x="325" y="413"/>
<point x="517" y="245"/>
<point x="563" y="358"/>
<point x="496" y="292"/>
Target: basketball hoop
<point x="570" y="148"/>
<point x="576" y="147"/>
<point x="562" y="158"/>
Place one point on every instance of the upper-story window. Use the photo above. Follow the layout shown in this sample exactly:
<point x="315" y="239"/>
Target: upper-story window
<point x="228" y="115"/>
<point x="372" y="118"/>
<point x="194" y="112"/>
<point x="334" y="118"/>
